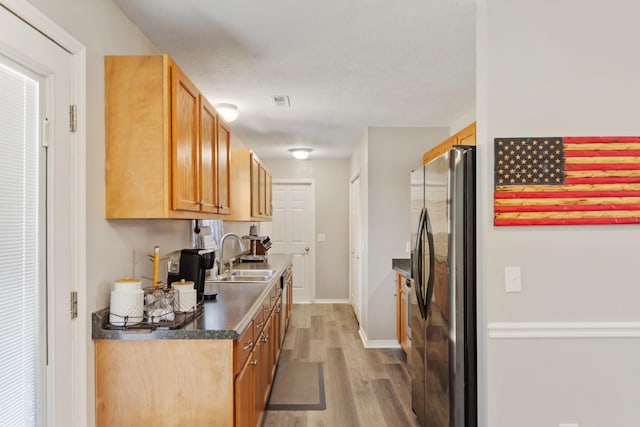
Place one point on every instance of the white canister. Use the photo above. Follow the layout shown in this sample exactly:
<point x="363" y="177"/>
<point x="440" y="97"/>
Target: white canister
<point x="127" y="302"/>
<point x="127" y="284"/>
<point x="187" y="297"/>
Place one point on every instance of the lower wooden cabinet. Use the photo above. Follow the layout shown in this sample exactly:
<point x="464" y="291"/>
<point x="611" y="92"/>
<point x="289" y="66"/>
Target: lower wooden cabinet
<point x="401" y="312"/>
<point x="245" y="407"/>
<point x="289" y="298"/>
<point x="265" y="358"/>
<point x="253" y="383"/>
<point x="164" y="382"/>
<point x="200" y="382"/>
<point x="277" y="337"/>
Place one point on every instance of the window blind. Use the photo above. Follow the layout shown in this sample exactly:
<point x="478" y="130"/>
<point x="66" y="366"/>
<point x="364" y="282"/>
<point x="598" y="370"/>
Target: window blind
<point x="19" y="337"/>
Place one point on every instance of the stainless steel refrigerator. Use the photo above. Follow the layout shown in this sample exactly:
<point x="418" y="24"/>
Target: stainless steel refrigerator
<point x="442" y="357"/>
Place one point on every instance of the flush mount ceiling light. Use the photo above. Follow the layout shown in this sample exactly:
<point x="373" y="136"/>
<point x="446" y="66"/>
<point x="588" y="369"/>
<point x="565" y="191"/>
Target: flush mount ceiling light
<point x="229" y="112"/>
<point x="300" y="153"/>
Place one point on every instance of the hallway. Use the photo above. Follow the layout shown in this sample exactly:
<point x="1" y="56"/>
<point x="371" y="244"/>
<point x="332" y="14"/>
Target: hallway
<point x="363" y="387"/>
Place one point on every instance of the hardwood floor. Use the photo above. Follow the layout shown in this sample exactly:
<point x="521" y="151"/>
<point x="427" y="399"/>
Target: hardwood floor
<point x="363" y="387"/>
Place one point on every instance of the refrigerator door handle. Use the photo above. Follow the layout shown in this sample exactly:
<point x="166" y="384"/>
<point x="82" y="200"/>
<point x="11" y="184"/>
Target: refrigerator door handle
<point x="432" y="259"/>
<point x="417" y="266"/>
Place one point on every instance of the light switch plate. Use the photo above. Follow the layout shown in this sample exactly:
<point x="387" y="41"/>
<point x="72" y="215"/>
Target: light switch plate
<point x="512" y="279"/>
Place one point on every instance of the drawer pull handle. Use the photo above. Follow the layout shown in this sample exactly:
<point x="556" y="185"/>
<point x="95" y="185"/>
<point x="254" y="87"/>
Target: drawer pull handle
<point x="248" y="345"/>
<point x="254" y="363"/>
<point x="265" y="338"/>
<point x="260" y="325"/>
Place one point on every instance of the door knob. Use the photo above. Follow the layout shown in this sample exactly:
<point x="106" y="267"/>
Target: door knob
<point x="306" y="249"/>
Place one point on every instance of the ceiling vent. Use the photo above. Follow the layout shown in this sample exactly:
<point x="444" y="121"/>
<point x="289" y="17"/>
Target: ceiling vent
<point x="281" y="100"/>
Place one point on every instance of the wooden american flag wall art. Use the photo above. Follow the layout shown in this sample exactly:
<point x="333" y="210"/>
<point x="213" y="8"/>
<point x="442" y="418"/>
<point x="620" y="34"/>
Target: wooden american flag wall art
<point x="567" y="180"/>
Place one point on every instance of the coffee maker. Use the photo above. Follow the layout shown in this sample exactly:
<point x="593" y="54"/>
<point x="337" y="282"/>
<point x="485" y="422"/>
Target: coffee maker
<point x="194" y="264"/>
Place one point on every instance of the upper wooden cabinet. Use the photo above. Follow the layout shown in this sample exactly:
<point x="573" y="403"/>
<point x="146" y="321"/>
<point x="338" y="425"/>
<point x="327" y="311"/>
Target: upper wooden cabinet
<point x="166" y="156"/>
<point x="223" y="161"/>
<point x="252" y="184"/>
<point x="466" y="136"/>
<point x="185" y="144"/>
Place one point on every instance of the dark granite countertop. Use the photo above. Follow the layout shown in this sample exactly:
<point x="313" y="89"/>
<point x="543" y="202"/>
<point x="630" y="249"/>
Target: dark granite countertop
<point x="402" y="266"/>
<point x="224" y="317"/>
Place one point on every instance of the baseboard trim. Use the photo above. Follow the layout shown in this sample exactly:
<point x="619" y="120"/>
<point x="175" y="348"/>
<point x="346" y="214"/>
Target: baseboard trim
<point x="516" y="330"/>
<point x="377" y="343"/>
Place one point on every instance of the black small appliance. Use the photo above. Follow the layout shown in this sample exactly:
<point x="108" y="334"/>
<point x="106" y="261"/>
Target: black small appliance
<point x="194" y="264"/>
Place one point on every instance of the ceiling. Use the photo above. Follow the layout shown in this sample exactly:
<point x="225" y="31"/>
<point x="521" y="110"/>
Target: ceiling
<point x="345" y="64"/>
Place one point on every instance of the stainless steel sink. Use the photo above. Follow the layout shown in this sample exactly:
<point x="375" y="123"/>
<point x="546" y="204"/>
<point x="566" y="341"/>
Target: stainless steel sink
<point x="250" y="272"/>
<point x="243" y="278"/>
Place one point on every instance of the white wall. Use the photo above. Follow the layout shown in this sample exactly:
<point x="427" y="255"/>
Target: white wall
<point x="392" y="154"/>
<point x="104" y="30"/>
<point x="332" y="219"/>
<point x="463" y="121"/>
<point x="550" y="68"/>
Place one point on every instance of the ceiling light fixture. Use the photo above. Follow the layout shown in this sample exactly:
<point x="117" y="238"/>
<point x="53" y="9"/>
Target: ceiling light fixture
<point x="300" y="153"/>
<point x="229" y="112"/>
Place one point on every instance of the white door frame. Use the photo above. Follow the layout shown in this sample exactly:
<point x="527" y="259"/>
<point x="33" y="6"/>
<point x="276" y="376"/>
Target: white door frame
<point x="357" y="246"/>
<point x="77" y="160"/>
<point x="312" y="262"/>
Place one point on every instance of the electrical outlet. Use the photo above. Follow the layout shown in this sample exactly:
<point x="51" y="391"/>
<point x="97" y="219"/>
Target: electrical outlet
<point x="568" y="425"/>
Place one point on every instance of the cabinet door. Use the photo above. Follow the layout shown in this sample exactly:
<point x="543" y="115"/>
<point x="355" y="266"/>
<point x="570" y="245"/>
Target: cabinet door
<point x="262" y="182"/>
<point x="258" y="381"/>
<point x="277" y="337"/>
<point x="272" y="350"/>
<point x="268" y="194"/>
<point x="402" y="321"/>
<point x="184" y="142"/>
<point x="289" y="296"/>
<point x="208" y="168"/>
<point x="223" y="160"/>
<point x="265" y="370"/>
<point x="245" y="394"/>
<point x="255" y="186"/>
<point x="398" y="308"/>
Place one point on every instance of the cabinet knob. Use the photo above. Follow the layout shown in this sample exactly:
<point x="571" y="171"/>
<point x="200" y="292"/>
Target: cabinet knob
<point x="201" y="202"/>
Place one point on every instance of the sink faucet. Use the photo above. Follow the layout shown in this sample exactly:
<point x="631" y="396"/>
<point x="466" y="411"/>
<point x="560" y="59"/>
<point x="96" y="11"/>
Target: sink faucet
<point x="224" y="238"/>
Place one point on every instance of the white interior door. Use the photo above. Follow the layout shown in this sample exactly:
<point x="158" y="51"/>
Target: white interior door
<point x="292" y="230"/>
<point x="53" y="223"/>
<point x="355" y="247"/>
